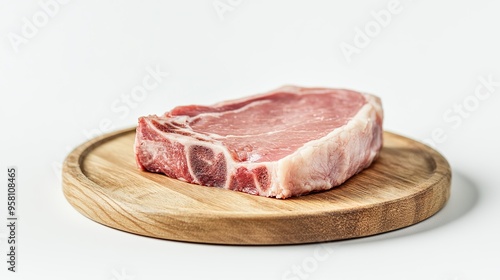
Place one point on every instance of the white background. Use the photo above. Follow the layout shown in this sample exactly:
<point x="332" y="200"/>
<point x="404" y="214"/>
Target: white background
<point x="68" y="77"/>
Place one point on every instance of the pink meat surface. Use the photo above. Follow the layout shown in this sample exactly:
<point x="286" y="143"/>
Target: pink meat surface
<point x="288" y="142"/>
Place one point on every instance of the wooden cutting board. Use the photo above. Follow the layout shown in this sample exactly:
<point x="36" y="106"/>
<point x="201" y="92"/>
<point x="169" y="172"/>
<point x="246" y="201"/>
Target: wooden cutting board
<point x="407" y="184"/>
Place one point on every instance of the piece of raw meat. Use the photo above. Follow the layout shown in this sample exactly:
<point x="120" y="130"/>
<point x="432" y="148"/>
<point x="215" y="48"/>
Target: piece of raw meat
<point x="288" y="142"/>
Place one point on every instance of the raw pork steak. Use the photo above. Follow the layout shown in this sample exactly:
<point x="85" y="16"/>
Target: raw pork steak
<point x="288" y="142"/>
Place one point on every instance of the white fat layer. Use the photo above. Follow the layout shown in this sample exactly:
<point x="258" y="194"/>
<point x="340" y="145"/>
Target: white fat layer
<point x="239" y="110"/>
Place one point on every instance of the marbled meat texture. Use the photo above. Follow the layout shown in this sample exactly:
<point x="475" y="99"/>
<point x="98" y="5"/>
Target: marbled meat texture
<point x="288" y="142"/>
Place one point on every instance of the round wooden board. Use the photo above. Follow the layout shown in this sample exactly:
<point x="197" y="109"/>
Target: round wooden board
<point x="408" y="183"/>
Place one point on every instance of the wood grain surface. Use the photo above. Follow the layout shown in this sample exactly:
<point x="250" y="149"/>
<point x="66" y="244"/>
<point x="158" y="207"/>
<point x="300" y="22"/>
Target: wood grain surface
<point x="408" y="183"/>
